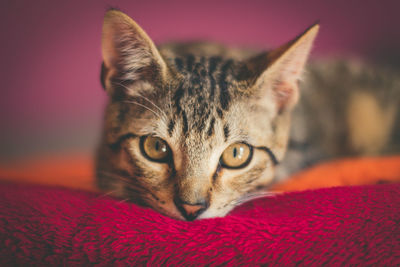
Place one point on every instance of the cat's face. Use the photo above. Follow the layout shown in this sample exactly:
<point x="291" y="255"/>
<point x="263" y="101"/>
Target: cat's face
<point x="192" y="135"/>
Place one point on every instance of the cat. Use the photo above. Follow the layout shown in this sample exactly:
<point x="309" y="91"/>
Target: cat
<point x="194" y="129"/>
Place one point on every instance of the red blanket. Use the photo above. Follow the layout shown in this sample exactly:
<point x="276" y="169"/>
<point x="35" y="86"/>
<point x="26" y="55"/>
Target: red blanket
<point x="42" y="225"/>
<point x="345" y="225"/>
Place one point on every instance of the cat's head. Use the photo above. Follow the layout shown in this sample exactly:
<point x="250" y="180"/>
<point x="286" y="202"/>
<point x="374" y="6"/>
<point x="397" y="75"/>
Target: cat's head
<point x="193" y="135"/>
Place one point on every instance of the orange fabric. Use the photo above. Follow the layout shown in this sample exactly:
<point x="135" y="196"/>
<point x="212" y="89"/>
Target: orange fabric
<point x="73" y="171"/>
<point x="76" y="171"/>
<point x="351" y="171"/>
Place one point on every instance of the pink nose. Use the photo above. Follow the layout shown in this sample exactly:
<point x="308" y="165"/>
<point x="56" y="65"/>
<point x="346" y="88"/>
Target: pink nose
<point x="190" y="211"/>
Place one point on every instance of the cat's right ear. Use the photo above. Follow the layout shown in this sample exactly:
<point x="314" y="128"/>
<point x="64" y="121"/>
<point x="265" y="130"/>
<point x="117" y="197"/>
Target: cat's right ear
<point x="129" y="55"/>
<point x="276" y="74"/>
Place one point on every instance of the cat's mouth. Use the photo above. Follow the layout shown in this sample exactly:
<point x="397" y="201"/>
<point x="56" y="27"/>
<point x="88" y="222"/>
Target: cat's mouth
<point x="188" y="212"/>
<point x="176" y="208"/>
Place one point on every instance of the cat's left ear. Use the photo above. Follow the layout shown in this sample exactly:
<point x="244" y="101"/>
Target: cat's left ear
<point x="129" y="54"/>
<point x="277" y="72"/>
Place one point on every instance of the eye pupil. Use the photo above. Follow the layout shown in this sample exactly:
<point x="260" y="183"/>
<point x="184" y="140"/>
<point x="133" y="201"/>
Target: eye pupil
<point x="155" y="148"/>
<point x="236" y="156"/>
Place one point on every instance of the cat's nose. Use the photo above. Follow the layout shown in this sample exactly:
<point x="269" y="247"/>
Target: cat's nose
<point x="190" y="211"/>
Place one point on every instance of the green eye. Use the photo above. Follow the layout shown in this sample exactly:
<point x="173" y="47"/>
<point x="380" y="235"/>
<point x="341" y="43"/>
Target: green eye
<point x="236" y="156"/>
<point x="155" y="148"/>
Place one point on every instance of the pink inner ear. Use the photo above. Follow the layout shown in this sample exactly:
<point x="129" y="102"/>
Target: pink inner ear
<point x="293" y="70"/>
<point x="284" y="95"/>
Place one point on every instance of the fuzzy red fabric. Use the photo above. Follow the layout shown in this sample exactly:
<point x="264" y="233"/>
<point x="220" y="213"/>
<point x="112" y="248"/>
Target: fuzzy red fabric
<point x="343" y="225"/>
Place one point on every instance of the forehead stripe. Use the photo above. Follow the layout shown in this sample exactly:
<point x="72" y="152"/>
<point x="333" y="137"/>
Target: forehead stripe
<point x="171" y="126"/>
<point x="179" y="63"/>
<point x="210" y="131"/>
<point x="185" y="127"/>
<point x="212" y="66"/>
<point x="224" y="95"/>
<point x="189" y="62"/>
<point x="177" y="98"/>
<point x="226" y="132"/>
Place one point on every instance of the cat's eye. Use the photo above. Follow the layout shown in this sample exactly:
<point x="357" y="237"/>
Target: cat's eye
<point x="155" y="148"/>
<point x="236" y="156"/>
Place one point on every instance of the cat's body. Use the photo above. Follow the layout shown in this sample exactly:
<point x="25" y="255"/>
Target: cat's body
<point x="192" y="130"/>
<point x="346" y="109"/>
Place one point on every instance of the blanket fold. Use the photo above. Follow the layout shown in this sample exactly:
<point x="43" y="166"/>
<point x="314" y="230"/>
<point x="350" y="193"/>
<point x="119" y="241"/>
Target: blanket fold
<point x="344" y="225"/>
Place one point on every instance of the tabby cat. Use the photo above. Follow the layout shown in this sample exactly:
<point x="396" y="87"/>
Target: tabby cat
<point x="193" y="129"/>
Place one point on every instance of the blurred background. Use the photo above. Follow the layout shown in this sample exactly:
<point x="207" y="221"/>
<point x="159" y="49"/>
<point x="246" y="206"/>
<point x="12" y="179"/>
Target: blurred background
<point x="50" y="54"/>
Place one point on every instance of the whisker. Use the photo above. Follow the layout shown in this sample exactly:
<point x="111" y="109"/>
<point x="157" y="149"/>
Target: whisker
<point x="254" y="196"/>
<point x="144" y="106"/>
<point x="170" y="101"/>
<point x="107" y="193"/>
<point x="151" y="102"/>
<point x="145" y="98"/>
<point x="129" y="183"/>
<point x="123" y="200"/>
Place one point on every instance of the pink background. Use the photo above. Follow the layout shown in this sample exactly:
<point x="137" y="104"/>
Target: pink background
<point x="50" y="53"/>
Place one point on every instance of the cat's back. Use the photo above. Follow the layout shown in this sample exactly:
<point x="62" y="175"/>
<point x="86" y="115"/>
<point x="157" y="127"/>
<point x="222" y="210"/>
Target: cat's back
<point x="358" y="102"/>
<point x="346" y="108"/>
<point x="205" y="49"/>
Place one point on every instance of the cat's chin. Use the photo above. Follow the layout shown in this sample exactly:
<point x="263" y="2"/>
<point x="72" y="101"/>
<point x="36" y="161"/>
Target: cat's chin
<point x="208" y="214"/>
<point x="201" y="217"/>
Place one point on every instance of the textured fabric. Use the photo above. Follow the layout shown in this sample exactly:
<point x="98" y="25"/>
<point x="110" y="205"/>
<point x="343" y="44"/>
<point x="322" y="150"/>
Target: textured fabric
<point x="345" y="225"/>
